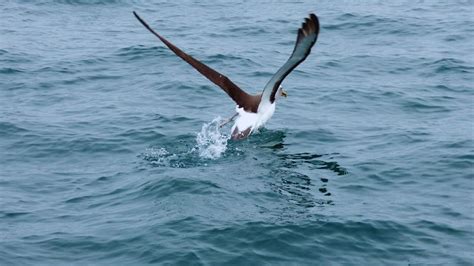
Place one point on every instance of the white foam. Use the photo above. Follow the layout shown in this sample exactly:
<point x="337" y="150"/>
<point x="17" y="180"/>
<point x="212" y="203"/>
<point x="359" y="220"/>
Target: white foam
<point x="158" y="156"/>
<point x="211" y="143"/>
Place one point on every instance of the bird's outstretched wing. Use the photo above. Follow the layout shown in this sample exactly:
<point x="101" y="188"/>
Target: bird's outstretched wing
<point x="242" y="98"/>
<point x="307" y="36"/>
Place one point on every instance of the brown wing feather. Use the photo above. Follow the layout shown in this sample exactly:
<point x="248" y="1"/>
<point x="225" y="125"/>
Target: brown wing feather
<point x="243" y="99"/>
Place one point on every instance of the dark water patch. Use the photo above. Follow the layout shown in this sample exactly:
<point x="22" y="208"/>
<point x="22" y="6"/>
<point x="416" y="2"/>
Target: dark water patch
<point x="454" y="38"/>
<point x="451" y="88"/>
<point x="266" y="139"/>
<point x="320" y="135"/>
<point x="141" y="135"/>
<point x="362" y="23"/>
<point x="462" y="144"/>
<point x="170" y="119"/>
<point x="53" y="70"/>
<point x="84" y="2"/>
<point x="185" y="88"/>
<point x="255" y="30"/>
<point x="450" y="212"/>
<point x="384" y="178"/>
<point x="168" y="186"/>
<point x="228" y="59"/>
<point x="9" y="57"/>
<point x="286" y="43"/>
<point x="88" y="78"/>
<point x="314" y="161"/>
<point x="446" y="66"/>
<point x="37" y="146"/>
<point x="262" y="74"/>
<point x="80" y="199"/>
<point x="297" y="188"/>
<point x="94" y="247"/>
<point x="92" y="61"/>
<point x="347" y="16"/>
<point x="278" y="20"/>
<point x="423" y="106"/>
<point x="467" y="157"/>
<point x="350" y="237"/>
<point x="358" y="66"/>
<point x="11" y="129"/>
<point x="13" y="215"/>
<point x="440" y="227"/>
<point x="359" y="188"/>
<point x="10" y="71"/>
<point x="103" y="199"/>
<point x="460" y="164"/>
<point x="105" y="179"/>
<point x="137" y="52"/>
<point x="331" y="64"/>
<point x="94" y="78"/>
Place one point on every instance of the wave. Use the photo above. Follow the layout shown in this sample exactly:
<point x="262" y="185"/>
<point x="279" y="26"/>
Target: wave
<point x="353" y="21"/>
<point x="11" y="129"/>
<point x="141" y="51"/>
<point x="449" y="65"/>
<point x="86" y="2"/>
<point x="39" y="146"/>
<point x="10" y="71"/>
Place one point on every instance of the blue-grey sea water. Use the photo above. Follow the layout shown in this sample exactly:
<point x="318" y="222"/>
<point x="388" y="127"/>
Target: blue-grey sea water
<point x="110" y="150"/>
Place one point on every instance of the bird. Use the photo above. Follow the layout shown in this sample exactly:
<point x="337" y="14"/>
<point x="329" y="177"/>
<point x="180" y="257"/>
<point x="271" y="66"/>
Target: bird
<point x="252" y="111"/>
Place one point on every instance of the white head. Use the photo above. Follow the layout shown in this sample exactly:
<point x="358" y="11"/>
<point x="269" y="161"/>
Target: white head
<point x="280" y="92"/>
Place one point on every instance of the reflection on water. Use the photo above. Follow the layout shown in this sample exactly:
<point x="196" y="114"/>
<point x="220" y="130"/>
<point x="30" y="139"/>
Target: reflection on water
<point x="295" y="187"/>
<point x="295" y="160"/>
<point x="298" y="181"/>
<point x="299" y="177"/>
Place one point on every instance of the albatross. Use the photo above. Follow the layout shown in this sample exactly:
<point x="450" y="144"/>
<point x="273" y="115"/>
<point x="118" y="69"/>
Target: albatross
<point x="253" y="111"/>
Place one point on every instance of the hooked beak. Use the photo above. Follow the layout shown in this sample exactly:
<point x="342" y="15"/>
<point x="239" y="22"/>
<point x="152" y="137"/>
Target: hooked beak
<point x="283" y="93"/>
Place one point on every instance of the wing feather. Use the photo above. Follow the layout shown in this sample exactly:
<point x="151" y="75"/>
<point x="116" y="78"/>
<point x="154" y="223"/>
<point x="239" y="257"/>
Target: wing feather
<point x="248" y="102"/>
<point x="307" y="36"/>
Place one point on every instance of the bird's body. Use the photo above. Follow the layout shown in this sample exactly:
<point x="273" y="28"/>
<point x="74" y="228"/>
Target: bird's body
<point x="248" y="122"/>
<point x="253" y="111"/>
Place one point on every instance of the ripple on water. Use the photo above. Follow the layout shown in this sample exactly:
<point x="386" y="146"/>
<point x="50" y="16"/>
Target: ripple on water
<point x="447" y="66"/>
<point x="7" y="128"/>
<point x="321" y="236"/>
<point x="137" y="52"/>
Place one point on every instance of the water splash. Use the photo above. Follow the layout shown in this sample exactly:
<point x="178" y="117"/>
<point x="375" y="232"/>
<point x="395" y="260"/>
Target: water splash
<point x="211" y="143"/>
<point x="158" y="156"/>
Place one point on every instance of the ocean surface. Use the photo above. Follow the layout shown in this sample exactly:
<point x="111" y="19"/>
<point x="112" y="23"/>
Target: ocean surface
<point x="111" y="153"/>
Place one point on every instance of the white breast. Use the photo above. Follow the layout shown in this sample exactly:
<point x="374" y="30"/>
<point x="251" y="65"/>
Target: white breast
<point x="253" y="121"/>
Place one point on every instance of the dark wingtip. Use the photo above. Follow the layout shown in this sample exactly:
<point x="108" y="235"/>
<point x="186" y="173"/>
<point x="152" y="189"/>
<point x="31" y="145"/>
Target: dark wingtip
<point x="137" y="16"/>
<point x="315" y="19"/>
<point x="309" y="26"/>
<point x="145" y="24"/>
